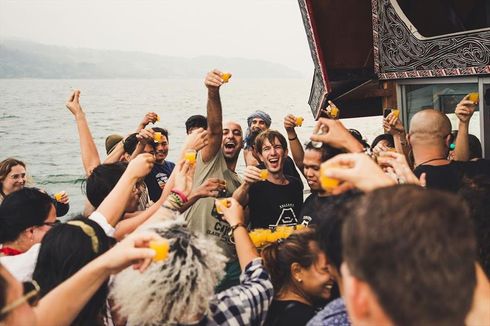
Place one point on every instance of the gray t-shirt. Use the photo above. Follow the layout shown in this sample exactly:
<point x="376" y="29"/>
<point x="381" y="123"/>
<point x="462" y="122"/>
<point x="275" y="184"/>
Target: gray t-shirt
<point x="198" y="216"/>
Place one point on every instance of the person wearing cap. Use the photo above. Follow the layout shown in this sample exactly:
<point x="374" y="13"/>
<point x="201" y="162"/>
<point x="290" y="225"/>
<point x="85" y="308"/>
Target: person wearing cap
<point x="111" y="141"/>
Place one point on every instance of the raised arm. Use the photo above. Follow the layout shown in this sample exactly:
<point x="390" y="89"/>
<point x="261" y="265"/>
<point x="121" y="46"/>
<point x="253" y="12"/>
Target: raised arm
<point x="393" y="125"/>
<point x="114" y="204"/>
<point x="464" y="110"/>
<point x="234" y="215"/>
<point x="61" y="306"/>
<point x="150" y="117"/>
<point x="336" y="135"/>
<point x="251" y="176"/>
<point x="90" y="155"/>
<point x="213" y="82"/>
<point x="294" y="143"/>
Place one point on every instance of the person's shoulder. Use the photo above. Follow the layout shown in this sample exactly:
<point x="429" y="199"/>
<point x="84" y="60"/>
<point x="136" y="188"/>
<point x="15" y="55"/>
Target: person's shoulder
<point x="170" y="164"/>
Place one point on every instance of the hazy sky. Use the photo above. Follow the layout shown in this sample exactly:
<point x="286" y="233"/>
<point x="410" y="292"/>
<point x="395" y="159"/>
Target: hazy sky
<point x="261" y="29"/>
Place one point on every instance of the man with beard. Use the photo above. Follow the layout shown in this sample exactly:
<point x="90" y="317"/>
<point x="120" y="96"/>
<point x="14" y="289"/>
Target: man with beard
<point x="158" y="177"/>
<point x="278" y="199"/>
<point x="217" y="160"/>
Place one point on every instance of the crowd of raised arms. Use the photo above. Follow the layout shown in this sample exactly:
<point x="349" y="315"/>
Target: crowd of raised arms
<point x="396" y="233"/>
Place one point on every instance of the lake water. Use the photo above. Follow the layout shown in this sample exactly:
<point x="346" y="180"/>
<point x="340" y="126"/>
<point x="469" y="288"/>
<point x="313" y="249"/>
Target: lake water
<point x="36" y="127"/>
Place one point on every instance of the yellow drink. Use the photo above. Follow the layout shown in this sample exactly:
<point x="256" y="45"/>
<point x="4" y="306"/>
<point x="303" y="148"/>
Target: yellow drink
<point x="226" y="77"/>
<point x="157" y="137"/>
<point x="334" y="112"/>
<point x="474" y="97"/>
<point x="328" y="184"/>
<point x="190" y="156"/>
<point x="264" y="174"/>
<point x="299" y="121"/>
<point x="223" y="202"/>
<point x="161" y="248"/>
<point x="58" y="196"/>
<point x="396" y="113"/>
<point x="259" y="237"/>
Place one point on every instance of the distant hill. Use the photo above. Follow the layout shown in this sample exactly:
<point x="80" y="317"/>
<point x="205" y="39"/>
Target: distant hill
<point x="23" y="59"/>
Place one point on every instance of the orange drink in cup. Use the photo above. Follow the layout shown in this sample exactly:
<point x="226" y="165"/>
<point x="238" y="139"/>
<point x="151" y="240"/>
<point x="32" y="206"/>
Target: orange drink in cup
<point x="58" y="196"/>
<point x="157" y="137"/>
<point x="161" y="248"/>
<point x="226" y="77"/>
<point x="334" y="112"/>
<point x="190" y="156"/>
<point x="396" y="113"/>
<point x="474" y="97"/>
<point x="223" y="202"/>
<point x="264" y="173"/>
<point x="328" y="184"/>
<point x="299" y="121"/>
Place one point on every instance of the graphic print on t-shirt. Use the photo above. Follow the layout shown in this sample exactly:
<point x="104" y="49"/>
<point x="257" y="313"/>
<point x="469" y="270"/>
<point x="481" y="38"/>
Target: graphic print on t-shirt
<point x="287" y="216"/>
<point x="162" y="179"/>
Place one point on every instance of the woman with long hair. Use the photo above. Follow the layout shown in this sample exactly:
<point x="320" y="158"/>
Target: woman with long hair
<point x="299" y="273"/>
<point x="64" y="251"/>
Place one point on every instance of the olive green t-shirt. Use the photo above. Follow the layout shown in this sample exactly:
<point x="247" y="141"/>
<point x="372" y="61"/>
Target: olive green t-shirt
<point x="198" y="216"/>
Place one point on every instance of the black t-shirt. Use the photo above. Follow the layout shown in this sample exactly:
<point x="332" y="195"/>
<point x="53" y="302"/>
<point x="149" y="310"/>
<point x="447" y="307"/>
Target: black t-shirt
<point x="289" y="313"/>
<point x="316" y="208"/>
<point x="271" y="205"/>
<point x="450" y="176"/>
<point x="289" y="169"/>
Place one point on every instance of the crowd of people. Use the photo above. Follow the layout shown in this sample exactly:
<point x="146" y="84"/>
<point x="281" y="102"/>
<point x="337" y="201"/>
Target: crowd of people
<point x="396" y="233"/>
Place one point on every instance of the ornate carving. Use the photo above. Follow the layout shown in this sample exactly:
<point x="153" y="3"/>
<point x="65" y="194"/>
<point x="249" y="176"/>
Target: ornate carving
<point x="399" y="54"/>
<point x="319" y="87"/>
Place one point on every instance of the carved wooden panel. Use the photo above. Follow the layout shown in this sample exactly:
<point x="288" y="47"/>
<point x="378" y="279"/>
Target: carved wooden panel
<point x="399" y="54"/>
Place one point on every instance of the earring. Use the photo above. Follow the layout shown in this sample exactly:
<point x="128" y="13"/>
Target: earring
<point x="299" y="280"/>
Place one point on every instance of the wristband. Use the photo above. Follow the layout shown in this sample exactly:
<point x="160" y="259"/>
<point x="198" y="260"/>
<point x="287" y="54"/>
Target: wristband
<point x="234" y="227"/>
<point x="182" y="196"/>
<point x="294" y="138"/>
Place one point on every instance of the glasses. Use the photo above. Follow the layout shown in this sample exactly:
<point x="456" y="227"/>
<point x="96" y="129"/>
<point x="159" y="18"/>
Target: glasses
<point x="30" y="294"/>
<point x="51" y="224"/>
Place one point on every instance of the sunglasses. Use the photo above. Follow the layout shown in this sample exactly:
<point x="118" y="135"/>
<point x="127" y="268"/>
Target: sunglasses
<point x="30" y="295"/>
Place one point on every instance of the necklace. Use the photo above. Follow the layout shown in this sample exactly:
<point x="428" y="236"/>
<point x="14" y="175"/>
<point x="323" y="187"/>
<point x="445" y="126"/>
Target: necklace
<point x="431" y="160"/>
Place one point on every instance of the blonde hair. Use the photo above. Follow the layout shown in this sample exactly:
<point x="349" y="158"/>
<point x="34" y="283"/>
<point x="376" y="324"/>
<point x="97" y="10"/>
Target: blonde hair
<point x="175" y="289"/>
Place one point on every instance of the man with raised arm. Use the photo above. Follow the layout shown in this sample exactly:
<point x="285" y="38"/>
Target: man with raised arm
<point x="217" y="160"/>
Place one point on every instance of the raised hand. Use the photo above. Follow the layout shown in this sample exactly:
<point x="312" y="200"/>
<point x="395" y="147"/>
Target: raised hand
<point x="150" y="117"/>
<point x="197" y="140"/>
<point x="73" y="103"/>
<point x="289" y="122"/>
<point x="140" y="166"/>
<point x="209" y="188"/>
<point x="213" y="80"/>
<point x="252" y="174"/>
<point x="359" y="170"/>
<point x="400" y="166"/>
<point x="232" y="212"/>
<point x="145" y="136"/>
<point x="465" y="109"/>
<point x="333" y="133"/>
<point x="393" y="125"/>
<point x="132" y="250"/>
<point x="184" y="173"/>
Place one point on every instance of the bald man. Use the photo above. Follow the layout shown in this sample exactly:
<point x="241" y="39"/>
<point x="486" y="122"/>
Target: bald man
<point x="429" y="137"/>
<point x="217" y="160"/>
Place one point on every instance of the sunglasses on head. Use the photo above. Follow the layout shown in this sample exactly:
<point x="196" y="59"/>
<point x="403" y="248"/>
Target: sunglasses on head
<point x="31" y="295"/>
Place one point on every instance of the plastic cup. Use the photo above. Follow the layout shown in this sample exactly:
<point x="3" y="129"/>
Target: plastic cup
<point x="264" y="173"/>
<point x="58" y="196"/>
<point x="223" y="202"/>
<point x="161" y="248"/>
<point x="328" y="184"/>
<point x="226" y="77"/>
<point x="396" y="113"/>
<point x="334" y="112"/>
<point x="299" y="121"/>
<point x="157" y="137"/>
<point x="158" y="117"/>
<point x="474" y="97"/>
<point x="190" y="156"/>
<point x="259" y="237"/>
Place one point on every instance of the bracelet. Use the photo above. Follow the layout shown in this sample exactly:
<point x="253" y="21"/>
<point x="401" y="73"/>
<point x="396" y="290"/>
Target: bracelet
<point x="236" y="226"/>
<point x="175" y="200"/>
<point x="182" y="196"/>
<point x="170" y="208"/>
<point x="294" y="138"/>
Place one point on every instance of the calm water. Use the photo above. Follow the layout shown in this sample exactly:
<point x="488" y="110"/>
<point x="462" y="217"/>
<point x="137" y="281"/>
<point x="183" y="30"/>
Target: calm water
<point x="36" y="127"/>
